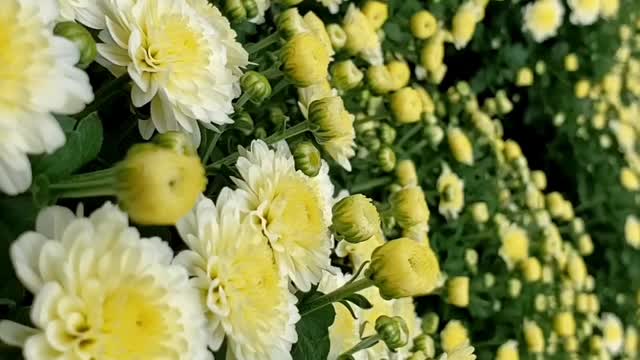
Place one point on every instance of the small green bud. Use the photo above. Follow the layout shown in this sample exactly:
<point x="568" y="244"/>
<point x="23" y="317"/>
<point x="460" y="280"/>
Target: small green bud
<point x="260" y="133"/>
<point x="393" y="331"/>
<point x="430" y="323"/>
<point x="387" y="159"/>
<point x="307" y="158"/>
<point x="387" y="133"/>
<point x="251" y="7"/>
<point x="425" y="344"/>
<point x="243" y="122"/>
<point x="346" y="75"/>
<point x="82" y="39"/>
<point x="290" y="23"/>
<point x="235" y="11"/>
<point x="355" y="219"/>
<point x="277" y="116"/>
<point x="434" y="134"/>
<point x="337" y="36"/>
<point x="256" y="85"/>
<point x="489" y="280"/>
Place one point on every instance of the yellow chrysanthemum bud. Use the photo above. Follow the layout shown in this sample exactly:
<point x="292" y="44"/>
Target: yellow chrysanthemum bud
<point x="582" y="89"/>
<point x="305" y="60"/>
<point x="532" y="269"/>
<point x="404" y="267"/>
<point x="430" y="323"/>
<point x="393" y="331"/>
<point x="524" y="77"/>
<point x="332" y="127"/>
<point x="316" y="26"/>
<point x="480" y="212"/>
<point x="307" y="158"/>
<point x="377" y="12"/>
<point x="337" y="36"/>
<point x="594" y="304"/>
<point x="432" y="54"/>
<point x="424" y="344"/>
<point x="346" y="75"/>
<point x="577" y="270"/>
<point x="539" y="179"/>
<point x="386" y="159"/>
<point x="361" y="35"/>
<point x="458" y="291"/>
<point x="290" y="23"/>
<point x="471" y="258"/>
<point x="423" y="25"/>
<point x="152" y="175"/>
<point x="564" y="324"/>
<point x="409" y="206"/>
<point x="582" y="303"/>
<point x="534" y="337"/>
<point x="632" y="231"/>
<point x="453" y="336"/>
<point x="585" y="245"/>
<point x="460" y="146"/>
<point x="400" y="73"/>
<point x="631" y="342"/>
<point x="406" y="105"/>
<point x="571" y="344"/>
<point x="571" y="62"/>
<point x="256" y="86"/>
<point x="515" y="287"/>
<point x="504" y="104"/>
<point x="629" y="179"/>
<point x="508" y="351"/>
<point x="427" y="102"/>
<point x="81" y="38"/>
<point x="438" y="74"/>
<point x="512" y="151"/>
<point x="515" y="245"/>
<point x="355" y="219"/>
<point x="464" y="23"/>
<point x="406" y="173"/>
<point x="379" y="79"/>
<point x="596" y="344"/>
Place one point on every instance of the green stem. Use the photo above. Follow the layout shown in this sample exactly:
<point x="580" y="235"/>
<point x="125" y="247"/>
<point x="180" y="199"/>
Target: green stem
<point x="97" y="183"/>
<point x="242" y="100"/>
<point x="334" y="296"/>
<point x="255" y="47"/>
<point x="212" y="145"/>
<point x="283" y="83"/>
<point x="272" y="73"/>
<point x="371" y="184"/>
<point x="104" y="94"/>
<point x="288" y="133"/>
<point x="408" y="135"/>
<point x="371" y="118"/>
<point x="363" y="344"/>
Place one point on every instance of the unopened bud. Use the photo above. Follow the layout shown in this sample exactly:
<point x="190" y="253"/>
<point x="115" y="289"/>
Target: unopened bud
<point x="355" y="219"/>
<point x="307" y="158"/>
<point x="81" y="38"/>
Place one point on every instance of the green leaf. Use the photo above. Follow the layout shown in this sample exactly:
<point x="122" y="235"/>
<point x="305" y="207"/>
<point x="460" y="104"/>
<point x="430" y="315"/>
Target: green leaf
<point x="313" y="334"/>
<point x="359" y="301"/>
<point x="83" y="145"/>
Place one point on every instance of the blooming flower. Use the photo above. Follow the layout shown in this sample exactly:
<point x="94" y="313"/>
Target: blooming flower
<point x="181" y="56"/>
<point x="612" y="333"/>
<point x="542" y="18"/>
<point x="38" y="77"/>
<point x="515" y="245"/>
<point x="294" y="210"/>
<point x="344" y="332"/>
<point x="451" y="189"/>
<point x="231" y="263"/>
<point x="362" y="38"/>
<point x="71" y="10"/>
<point x="584" y="12"/>
<point x="453" y="336"/>
<point x="102" y="292"/>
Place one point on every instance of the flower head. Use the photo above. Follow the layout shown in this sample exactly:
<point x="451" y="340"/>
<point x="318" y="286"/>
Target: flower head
<point x="294" y="210"/>
<point x="333" y="128"/>
<point x="542" y="18"/>
<point x="533" y="336"/>
<point x="508" y="351"/>
<point x="181" y="56"/>
<point x="515" y="245"/>
<point x="453" y="336"/>
<point x="584" y="12"/>
<point x="103" y="292"/>
<point x="232" y="265"/>
<point x="612" y="333"/>
<point x="409" y="207"/>
<point x="464" y="23"/>
<point x="362" y="38"/>
<point x="38" y="77"/>
<point x="451" y="189"/>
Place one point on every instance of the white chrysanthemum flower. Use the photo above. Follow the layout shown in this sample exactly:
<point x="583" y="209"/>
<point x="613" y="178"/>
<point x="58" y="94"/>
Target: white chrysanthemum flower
<point x="612" y="333"/>
<point x="362" y="38"/>
<point x="294" y="209"/>
<point x="464" y="352"/>
<point x="102" y="292"/>
<point x="451" y="190"/>
<point x="344" y="333"/>
<point x="542" y="18"/>
<point x="37" y="77"/>
<point x="181" y="56"/>
<point x="584" y="12"/>
<point x="232" y="265"/>
<point x="71" y="10"/>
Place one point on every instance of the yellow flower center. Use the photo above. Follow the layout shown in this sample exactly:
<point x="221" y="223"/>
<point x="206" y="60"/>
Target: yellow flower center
<point x="21" y="45"/>
<point x="294" y="214"/>
<point x="134" y="325"/>
<point x="545" y="16"/>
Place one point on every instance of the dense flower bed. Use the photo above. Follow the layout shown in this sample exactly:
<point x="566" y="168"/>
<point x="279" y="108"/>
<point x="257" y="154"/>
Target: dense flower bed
<point x="301" y="179"/>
